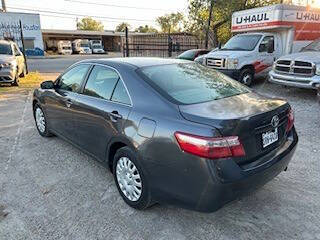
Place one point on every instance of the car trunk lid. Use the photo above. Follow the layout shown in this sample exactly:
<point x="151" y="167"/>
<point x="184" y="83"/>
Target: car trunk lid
<point x="247" y="116"/>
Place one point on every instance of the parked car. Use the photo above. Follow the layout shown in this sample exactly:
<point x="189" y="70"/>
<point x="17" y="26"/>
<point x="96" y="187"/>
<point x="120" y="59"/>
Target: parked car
<point x="171" y="131"/>
<point x="300" y="70"/>
<point x="192" y="54"/>
<point x="261" y="38"/>
<point x="12" y="63"/>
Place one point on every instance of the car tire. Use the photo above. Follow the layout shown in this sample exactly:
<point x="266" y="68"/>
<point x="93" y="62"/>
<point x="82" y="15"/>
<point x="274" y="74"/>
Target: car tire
<point x="246" y="76"/>
<point x="41" y="121"/>
<point x="127" y="180"/>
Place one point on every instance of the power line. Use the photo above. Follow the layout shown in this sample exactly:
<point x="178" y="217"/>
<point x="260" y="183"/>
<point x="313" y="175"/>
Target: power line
<point x="81" y="15"/>
<point x="118" y="6"/>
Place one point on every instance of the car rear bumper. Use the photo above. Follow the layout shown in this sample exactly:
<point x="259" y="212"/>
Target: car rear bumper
<point x="294" y="81"/>
<point x="208" y="188"/>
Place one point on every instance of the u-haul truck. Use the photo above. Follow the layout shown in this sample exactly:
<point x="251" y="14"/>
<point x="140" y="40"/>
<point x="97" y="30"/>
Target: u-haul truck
<point x="261" y="36"/>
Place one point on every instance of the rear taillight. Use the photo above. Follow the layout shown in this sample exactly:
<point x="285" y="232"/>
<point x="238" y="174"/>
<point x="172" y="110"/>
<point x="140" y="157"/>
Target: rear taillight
<point x="290" y="120"/>
<point x="209" y="147"/>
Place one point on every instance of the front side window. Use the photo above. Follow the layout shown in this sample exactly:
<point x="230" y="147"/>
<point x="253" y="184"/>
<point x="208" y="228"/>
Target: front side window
<point x="72" y="79"/>
<point x="265" y="42"/>
<point x="101" y="82"/>
<point x="242" y="43"/>
<point x="5" y="49"/>
<point x="191" y="83"/>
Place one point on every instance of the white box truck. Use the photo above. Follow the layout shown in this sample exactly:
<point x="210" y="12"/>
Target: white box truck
<point x="262" y="35"/>
<point x="96" y="46"/>
<point x="81" y="46"/>
<point x="64" y="47"/>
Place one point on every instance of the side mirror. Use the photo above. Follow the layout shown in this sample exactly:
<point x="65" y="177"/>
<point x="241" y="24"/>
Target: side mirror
<point x="270" y="46"/>
<point x="47" y="85"/>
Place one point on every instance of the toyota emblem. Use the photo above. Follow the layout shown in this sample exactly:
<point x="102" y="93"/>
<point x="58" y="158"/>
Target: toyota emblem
<point x="275" y="121"/>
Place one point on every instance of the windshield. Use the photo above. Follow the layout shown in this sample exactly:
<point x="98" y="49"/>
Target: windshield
<point x="190" y="83"/>
<point x="5" y="49"/>
<point x="96" y="47"/>
<point x="242" y="42"/>
<point x="314" y="46"/>
<point x="66" y="48"/>
<point x="84" y="45"/>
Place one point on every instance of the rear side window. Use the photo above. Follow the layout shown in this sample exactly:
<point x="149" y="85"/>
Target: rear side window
<point x="120" y="94"/>
<point x="101" y="82"/>
<point x="190" y="83"/>
<point x="72" y="79"/>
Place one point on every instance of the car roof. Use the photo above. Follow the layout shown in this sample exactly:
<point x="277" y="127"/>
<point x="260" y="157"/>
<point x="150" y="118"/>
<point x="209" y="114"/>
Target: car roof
<point x="138" y="62"/>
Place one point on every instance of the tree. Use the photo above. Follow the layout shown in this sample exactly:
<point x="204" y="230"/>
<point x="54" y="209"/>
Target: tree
<point x="146" y="29"/>
<point x="171" y="22"/>
<point x="122" y="27"/>
<point x="89" y="24"/>
<point x="222" y="12"/>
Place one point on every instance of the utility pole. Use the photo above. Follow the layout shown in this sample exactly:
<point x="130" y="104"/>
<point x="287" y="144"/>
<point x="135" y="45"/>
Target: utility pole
<point x="209" y="22"/>
<point x="4" y="8"/>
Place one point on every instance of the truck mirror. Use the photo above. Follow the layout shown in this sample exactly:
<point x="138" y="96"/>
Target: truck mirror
<point x="270" y="46"/>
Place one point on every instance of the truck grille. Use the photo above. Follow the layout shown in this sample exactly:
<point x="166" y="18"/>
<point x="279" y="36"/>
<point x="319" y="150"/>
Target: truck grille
<point x="216" y="62"/>
<point x="295" y="67"/>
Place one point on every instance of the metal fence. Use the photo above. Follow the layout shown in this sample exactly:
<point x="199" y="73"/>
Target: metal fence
<point x="160" y="45"/>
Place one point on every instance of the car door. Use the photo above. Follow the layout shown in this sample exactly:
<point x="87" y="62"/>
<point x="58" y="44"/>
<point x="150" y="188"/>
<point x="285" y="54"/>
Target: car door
<point x="101" y="110"/>
<point x="263" y="66"/>
<point x="59" y="102"/>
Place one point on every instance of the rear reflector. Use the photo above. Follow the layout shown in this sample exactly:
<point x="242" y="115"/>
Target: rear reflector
<point x="290" y="120"/>
<point x="209" y="147"/>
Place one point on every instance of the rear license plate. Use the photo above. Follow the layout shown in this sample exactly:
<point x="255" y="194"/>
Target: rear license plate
<point x="269" y="137"/>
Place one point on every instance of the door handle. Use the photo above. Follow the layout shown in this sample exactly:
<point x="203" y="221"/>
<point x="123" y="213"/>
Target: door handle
<point x="68" y="103"/>
<point x="114" y="115"/>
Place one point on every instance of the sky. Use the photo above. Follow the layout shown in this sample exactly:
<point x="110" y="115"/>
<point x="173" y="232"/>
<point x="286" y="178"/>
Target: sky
<point x="63" y="14"/>
<point x="136" y="12"/>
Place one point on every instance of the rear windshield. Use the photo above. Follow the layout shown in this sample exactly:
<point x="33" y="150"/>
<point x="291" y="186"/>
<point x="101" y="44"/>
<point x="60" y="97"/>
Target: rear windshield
<point x="190" y="83"/>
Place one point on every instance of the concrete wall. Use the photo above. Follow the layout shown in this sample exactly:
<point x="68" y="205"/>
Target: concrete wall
<point x="9" y="27"/>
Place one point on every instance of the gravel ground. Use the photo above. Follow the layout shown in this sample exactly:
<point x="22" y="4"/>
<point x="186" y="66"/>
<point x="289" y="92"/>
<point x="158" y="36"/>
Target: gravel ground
<point x="50" y="190"/>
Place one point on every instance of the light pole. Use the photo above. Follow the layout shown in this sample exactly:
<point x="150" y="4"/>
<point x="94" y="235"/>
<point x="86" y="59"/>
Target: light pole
<point x="3" y="3"/>
<point x="208" y="25"/>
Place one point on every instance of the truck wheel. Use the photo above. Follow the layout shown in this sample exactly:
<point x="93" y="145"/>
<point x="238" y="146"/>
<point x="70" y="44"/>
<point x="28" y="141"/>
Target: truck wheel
<point x="246" y="76"/>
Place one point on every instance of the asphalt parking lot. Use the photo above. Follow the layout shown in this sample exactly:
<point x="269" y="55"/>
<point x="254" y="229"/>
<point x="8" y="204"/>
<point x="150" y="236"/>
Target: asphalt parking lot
<point x="50" y="190"/>
<point x="58" y="63"/>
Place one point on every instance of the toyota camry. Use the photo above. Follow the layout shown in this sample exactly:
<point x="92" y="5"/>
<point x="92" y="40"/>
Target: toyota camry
<point x="171" y="131"/>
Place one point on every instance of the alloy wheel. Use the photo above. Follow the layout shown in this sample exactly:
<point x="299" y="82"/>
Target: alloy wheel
<point x="129" y="179"/>
<point x="40" y="120"/>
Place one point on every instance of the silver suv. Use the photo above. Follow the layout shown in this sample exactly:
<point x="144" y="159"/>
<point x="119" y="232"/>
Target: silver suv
<point x="12" y="63"/>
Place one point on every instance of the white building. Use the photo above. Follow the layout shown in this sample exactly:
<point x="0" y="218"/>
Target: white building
<point x="31" y="29"/>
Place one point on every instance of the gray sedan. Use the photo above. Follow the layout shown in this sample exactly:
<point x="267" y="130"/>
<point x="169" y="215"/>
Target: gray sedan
<point x="171" y="131"/>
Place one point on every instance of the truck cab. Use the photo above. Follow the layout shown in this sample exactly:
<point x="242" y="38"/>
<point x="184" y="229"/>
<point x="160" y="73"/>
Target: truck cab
<point x="81" y="46"/>
<point x="96" y="46"/>
<point x="300" y="69"/>
<point x="64" y="47"/>
<point x="261" y="36"/>
<point x="246" y="56"/>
